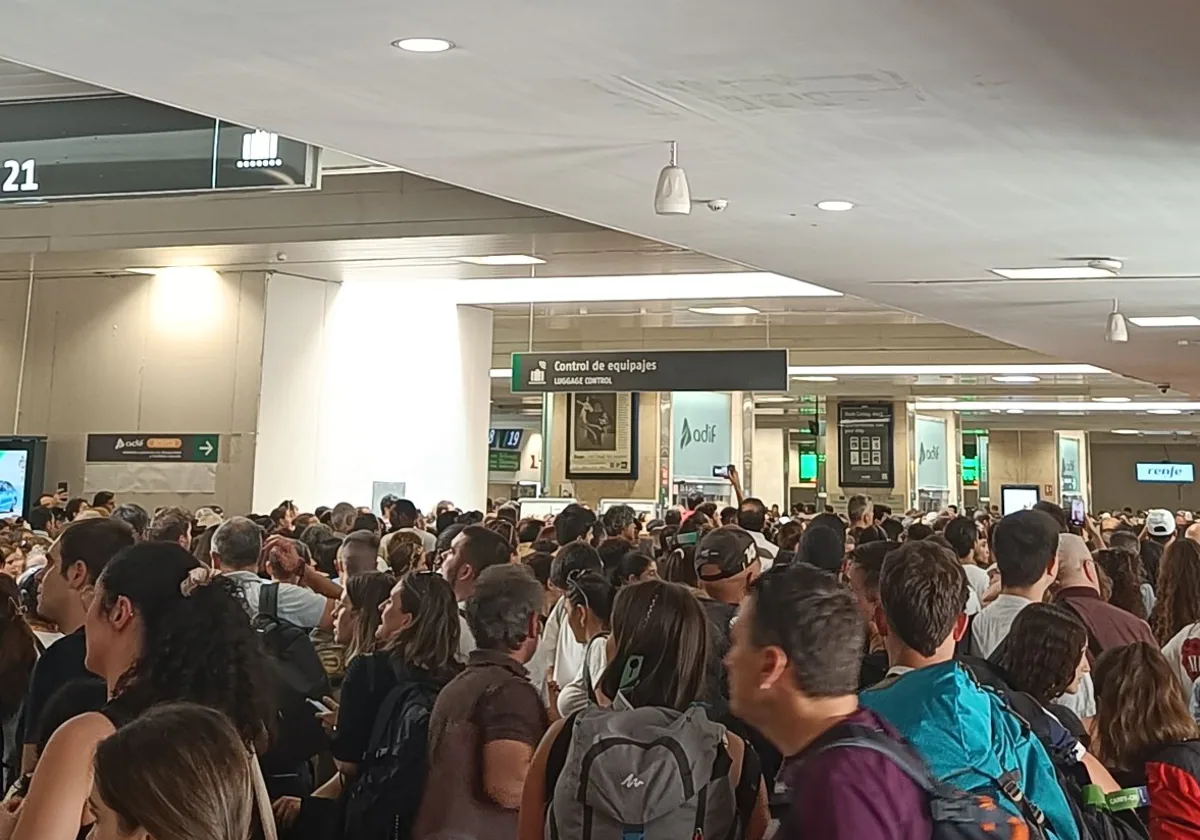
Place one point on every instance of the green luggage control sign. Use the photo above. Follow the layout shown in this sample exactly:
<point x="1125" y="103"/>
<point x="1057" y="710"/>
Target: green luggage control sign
<point x="139" y="446"/>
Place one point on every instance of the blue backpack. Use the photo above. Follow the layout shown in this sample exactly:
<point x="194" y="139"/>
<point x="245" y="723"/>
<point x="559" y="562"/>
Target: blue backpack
<point x="972" y="741"/>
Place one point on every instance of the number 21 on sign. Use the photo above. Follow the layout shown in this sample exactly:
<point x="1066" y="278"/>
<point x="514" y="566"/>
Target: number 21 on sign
<point x="18" y="176"/>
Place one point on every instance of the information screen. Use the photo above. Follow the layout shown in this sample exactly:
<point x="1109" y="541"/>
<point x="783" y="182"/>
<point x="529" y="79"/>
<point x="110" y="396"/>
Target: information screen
<point x="505" y="438"/>
<point x="1166" y="473"/>
<point x="1015" y="497"/>
<point x="13" y="466"/>
<point x="118" y="145"/>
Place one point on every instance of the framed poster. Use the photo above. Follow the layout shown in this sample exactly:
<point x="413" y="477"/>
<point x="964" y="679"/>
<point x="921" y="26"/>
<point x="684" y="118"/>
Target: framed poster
<point x="602" y="436"/>
<point x="865" y="445"/>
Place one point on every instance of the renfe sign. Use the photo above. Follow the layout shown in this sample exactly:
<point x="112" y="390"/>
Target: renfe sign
<point x="1167" y="473"/>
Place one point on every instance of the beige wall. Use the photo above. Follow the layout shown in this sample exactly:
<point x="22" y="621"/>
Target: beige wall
<point x="104" y="356"/>
<point x="592" y="491"/>
<point x="1113" y="476"/>
<point x="1023" y="457"/>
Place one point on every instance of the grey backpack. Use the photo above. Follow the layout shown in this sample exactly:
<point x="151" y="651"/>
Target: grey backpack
<point x="641" y="774"/>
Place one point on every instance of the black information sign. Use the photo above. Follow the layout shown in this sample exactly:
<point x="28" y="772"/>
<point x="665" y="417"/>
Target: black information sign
<point x="651" y="370"/>
<point x="865" y="457"/>
<point x="139" y="446"/>
<point x="505" y="438"/>
<point x="118" y="145"/>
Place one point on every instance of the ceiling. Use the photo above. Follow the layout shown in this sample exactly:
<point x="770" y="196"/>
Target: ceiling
<point x="971" y="134"/>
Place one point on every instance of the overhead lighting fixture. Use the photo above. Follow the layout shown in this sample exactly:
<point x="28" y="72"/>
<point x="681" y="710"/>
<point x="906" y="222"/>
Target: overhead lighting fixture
<point x="815" y="378"/>
<point x="938" y="399"/>
<point x="1166" y="321"/>
<point x="423" y="45"/>
<point x="1165" y="407"/>
<point x="1014" y="411"/>
<point x="672" y="195"/>
<point x="835" y="206"/>
<point x="1126" y="432"/>
<point x="716" y="286"/>
<point x="774" y="398"/>
<point x="724" y="310"/>
<point x="502" y="259"/>
<point x="1111" y="399"/>
<point x="942" y="370"/>
<point x="1056" y="272"/>
<point x="150" y="271"/>
<point x="500" y="373"/>
<point x="1016" y="379"/>
<point x="1115" y="330"/>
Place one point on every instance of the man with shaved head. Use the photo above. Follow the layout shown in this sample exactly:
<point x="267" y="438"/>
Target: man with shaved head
<point x="1079" y="591"/>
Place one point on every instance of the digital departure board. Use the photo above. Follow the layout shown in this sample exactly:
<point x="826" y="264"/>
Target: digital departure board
<point x="121" y="146"/>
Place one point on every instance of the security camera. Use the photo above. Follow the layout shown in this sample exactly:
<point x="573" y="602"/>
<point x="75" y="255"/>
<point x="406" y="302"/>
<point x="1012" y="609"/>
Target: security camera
<point x="716" y="204"/>
<point x="1164" y="388"/>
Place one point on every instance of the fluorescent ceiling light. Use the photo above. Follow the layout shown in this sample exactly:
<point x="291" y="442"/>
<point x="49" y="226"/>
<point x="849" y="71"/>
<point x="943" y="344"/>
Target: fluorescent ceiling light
<point x="142" y="270"/>
<point x="724" y="310"/>
<point x="938" y="399"/>
<point x="1055" y="272"/>
<point x="1015" y="379"/>
<point x="835" y="206"/>
<point x="1014" y="411"/>
<point x="778" y="398"/>
<point x="940" y="370"/>
<point x="1062" y="405"/>
<point x="815" y="378"/>
<point x="502" y="259"/>
<point x="630" y="287"/>
<point x="1167" y="321"/>
<point x="423" y="45"/>
<point x="1112" y="399"/>
<point x="1125" y="432"/>
<point x="500" y="373"/>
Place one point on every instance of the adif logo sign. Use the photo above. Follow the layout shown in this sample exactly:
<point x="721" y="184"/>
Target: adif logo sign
<point x="704" y="434"/>
<point x="928" y="453"/>
<point x="1167" y="473"/>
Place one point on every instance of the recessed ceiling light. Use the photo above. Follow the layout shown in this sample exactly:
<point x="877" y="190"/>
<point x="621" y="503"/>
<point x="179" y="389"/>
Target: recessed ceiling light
<point x="1053" y="405"/>
<point x="723" y="310"/>
<point x="1014" y="411"/>
<point x="773" y="398"/>
<point x="835" y="206"/>
<point x="1167" y="321"/>
<point x="1163" y="411"/>
<point x="1056" y="272"/>
<point x="423" y="45"/>
<point x="1125" y="431"/>
<point x="1014" y="380"/>
<point x="1112" y="399"/>
<point x="939" y="399"/>
<point x="815" y="378"/>
<point x="502" y="259"/>
<point x="942" y="370"/>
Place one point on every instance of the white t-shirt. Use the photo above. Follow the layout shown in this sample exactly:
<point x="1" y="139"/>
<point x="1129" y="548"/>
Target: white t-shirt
<point x="1183" y="652"/>
<point x="978" y="580"/>
<point x="1083" y="701"/>
<point x="299" y="605"/>
<point x="466" y="639"/>
<point x="992" y="625"/>
<point x="574" y="697"/>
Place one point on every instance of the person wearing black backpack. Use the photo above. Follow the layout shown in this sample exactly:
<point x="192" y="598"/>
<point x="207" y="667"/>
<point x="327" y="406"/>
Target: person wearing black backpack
<point x="380" y="740"/>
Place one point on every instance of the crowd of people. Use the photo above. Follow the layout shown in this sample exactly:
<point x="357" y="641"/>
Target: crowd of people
<point x="721" y="672"/>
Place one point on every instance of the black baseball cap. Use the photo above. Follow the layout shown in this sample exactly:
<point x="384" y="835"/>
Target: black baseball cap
<point x="730" y="549"/>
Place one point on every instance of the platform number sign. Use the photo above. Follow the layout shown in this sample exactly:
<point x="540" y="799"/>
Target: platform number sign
<point x="19" y="176"/>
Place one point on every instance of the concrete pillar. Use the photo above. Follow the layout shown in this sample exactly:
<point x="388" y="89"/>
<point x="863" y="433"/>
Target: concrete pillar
<point x="1022" y="457"/>
<point x="372" y="380"/>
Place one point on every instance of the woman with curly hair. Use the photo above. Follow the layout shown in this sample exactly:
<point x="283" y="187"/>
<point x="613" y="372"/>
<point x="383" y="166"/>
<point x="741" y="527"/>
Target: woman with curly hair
<point x="1147" y="737"/>
<point x="1046" y="653"/>
<point x="160" y="628"/>
<point x="1124" y="569"/>
<point x="1178" y="604"/>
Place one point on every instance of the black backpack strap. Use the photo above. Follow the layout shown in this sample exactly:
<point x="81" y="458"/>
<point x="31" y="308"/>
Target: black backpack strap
<point x="268" y="599"/>
<point x="556" y="760"/>
<point x="745" y="795"/>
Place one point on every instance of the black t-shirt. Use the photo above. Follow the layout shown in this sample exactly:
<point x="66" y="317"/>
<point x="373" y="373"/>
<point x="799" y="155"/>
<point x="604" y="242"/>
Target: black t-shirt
<point x="62" y="663"/>
<point x="369" y="678"/>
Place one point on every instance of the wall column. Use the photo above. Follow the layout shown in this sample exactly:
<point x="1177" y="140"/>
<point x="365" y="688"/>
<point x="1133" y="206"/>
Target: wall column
<point x="1022" y="457"/>
<point x="372" y="380"/>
